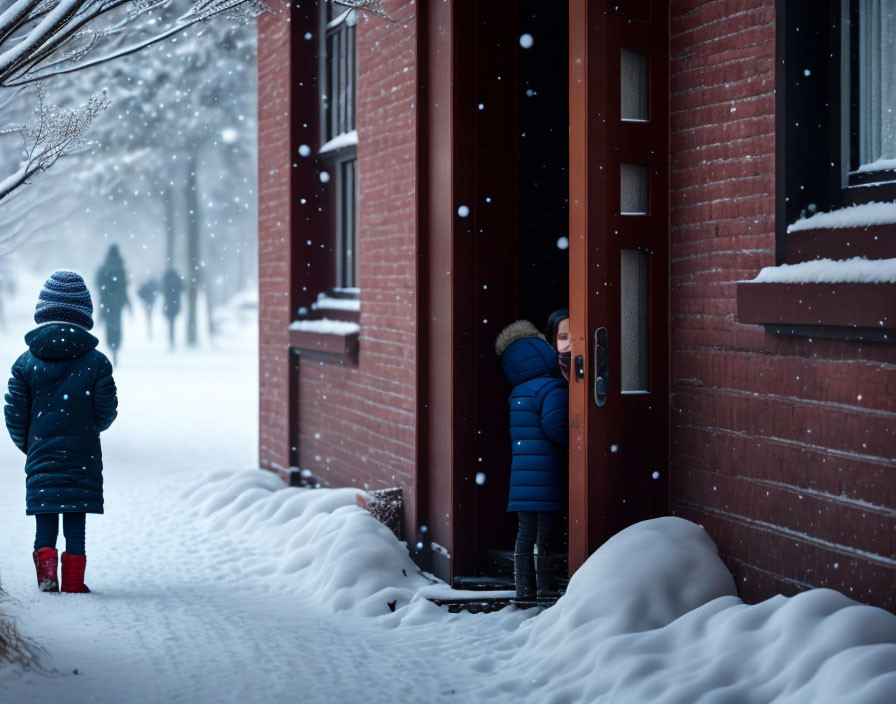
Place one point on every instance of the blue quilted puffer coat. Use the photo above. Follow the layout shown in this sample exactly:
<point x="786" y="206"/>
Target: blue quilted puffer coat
<point x="539" y="431"/>
<point x="61" y="397"/>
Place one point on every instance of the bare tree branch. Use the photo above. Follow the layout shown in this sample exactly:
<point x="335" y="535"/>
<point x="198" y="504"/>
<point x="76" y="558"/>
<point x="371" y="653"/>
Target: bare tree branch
<point x="24" y="58"/>
<point x="184" y="22"/>
<point x="15" y="16"/>
<point x="40" y="39"/>
<point x="44" y="38"/>
<point x="58" y="131"/>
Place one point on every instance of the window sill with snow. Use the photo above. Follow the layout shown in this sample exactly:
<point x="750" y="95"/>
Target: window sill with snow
<point x="330" y="328"/>
<point x="825" y="289"/>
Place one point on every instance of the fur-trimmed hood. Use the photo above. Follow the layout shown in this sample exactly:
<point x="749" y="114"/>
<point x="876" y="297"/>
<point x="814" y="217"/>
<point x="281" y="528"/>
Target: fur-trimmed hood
<point x="518" y="330"/>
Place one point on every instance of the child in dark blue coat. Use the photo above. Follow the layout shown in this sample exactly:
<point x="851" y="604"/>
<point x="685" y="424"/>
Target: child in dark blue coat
<point x="539" y="434"/>
<point x="61" y="397"/>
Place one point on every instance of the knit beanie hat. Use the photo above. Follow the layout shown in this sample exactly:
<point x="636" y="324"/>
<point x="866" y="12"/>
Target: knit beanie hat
<point x="65" y="299"/>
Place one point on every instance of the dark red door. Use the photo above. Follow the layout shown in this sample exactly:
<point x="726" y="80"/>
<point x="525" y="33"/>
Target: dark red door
<point x="619" y="262"/>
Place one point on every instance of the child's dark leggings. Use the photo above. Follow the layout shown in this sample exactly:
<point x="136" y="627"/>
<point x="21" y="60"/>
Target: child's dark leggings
<point x="73" y="525"/>
<point x="535" y="527"/>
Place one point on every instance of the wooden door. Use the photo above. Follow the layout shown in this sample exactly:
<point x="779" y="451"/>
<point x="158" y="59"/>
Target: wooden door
<point x="619" y="233"/>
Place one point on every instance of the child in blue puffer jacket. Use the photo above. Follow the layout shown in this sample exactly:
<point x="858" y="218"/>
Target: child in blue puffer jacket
<point x="61" y="397"/>
<point x="539" y="434"/>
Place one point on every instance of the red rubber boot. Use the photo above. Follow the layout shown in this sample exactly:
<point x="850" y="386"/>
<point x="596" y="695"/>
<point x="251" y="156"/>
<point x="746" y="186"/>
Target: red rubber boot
<point x="73" y="573"/>
<point x="46" y="561"/>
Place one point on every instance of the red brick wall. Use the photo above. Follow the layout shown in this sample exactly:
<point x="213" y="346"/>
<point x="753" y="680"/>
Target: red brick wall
<point x="273" y="243"/>
<point x="783" y="448"/>
<point x="357" y="423"/>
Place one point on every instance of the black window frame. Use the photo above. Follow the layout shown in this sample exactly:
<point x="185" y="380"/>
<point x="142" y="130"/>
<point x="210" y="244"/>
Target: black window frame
<point x="817" y="115"/>
<point x="337" y="89"/>
<point x="346" y="210"/>
<point x="814" y="141"/>
<point x="850" y="42"/>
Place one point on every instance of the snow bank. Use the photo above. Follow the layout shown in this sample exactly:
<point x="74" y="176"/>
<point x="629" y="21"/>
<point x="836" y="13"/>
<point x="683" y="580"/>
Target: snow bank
<point x="674" y="564"/>
<point x="331" y="551"/>
<point x="652" y="616"/>
<point x="819" y="646"/>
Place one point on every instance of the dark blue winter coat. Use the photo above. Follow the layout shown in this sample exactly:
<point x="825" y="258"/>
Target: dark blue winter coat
<point x="61" y="397"/>
<point x="539" y="432"/>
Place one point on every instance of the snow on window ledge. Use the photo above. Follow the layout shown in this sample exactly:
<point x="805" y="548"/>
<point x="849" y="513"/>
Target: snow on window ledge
<point x="855" y="270"/>
<point x="325" y="302"/>
<point x="865" y="215"/>
<point x="335" y="339"/>
<point x="852" y="299"/>
<point x="326" y="327"/>
<point x="347" y="139"/>
<point x="879" y="165"/>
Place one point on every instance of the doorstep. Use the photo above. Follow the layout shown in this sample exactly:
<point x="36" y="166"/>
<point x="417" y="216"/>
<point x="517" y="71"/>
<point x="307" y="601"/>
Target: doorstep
<point x="487" y="605"/>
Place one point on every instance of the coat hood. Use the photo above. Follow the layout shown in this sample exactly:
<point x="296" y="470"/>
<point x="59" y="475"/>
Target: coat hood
<point x="513" y="332"/>
<point x="528" y="358"/>
<point x="60" y="341"/>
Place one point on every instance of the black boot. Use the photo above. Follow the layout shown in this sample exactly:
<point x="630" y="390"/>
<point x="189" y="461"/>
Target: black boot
<point x="545" y="567"/>
<point x="524" y="576"/>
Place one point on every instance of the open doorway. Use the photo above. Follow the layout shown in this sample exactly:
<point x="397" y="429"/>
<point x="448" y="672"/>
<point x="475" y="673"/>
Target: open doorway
<point x="543" y="159"/>
<point x="518" y="152"/>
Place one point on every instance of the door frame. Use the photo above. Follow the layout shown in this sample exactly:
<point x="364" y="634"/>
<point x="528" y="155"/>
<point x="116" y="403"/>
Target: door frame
<point x="461" y="158"/>
<point x="446" y="157"/>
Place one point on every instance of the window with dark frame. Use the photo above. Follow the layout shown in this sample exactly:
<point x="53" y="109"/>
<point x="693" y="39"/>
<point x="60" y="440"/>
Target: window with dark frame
<point x="339" y="58"/>
<point x="836" y="107"/>
<point x="871" y="85"/>
<point x="835" y="112"/>
<point x="325" y="293"/>
<point x="338" y="151"/>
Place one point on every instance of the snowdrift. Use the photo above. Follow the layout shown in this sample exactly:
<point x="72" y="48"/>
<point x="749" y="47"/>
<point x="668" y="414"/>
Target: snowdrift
<point x="652" y="616"/>
<point x="331" y="551"/>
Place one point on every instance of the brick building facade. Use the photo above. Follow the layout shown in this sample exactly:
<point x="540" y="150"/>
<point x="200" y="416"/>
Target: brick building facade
<point x="777" y="432"/>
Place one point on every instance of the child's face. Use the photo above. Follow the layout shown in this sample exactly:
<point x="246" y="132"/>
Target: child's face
<point x="562" y="343"/>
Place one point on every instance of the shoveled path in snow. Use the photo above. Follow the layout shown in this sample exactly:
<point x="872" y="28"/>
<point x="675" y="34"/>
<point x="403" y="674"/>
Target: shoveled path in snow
<point x="161" y="626"/>
<point x="178" y="615"/>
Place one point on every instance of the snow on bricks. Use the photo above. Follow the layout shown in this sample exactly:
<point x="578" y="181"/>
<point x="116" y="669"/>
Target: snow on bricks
<point x="651" y="616"/>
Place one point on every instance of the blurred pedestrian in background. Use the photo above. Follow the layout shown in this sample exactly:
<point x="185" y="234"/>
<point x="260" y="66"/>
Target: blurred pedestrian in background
<point x="148" y="292"/>
<point x="113" y="294"/>
<point x="172" y="288"/>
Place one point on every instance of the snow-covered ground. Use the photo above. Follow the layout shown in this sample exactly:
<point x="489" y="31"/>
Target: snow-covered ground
<point x="214" y="583"/>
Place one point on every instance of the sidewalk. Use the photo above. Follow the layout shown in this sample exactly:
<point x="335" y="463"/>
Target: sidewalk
<point x="182" y="611"/>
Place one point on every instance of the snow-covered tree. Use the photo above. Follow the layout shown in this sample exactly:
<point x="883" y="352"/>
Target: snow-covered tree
<point x="182" y="135"/>
<point x="40" y="39"/>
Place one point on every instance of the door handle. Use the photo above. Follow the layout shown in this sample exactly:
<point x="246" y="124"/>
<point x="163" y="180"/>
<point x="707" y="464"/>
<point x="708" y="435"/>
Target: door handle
<point x="601" y="367"/>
